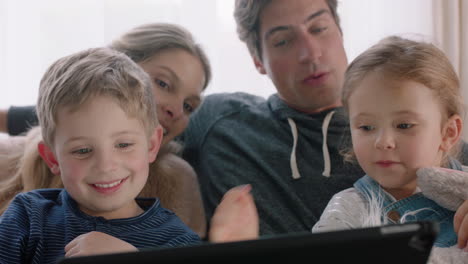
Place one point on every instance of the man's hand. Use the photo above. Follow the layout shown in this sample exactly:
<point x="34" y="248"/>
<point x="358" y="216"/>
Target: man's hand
<point x="236" y="217"/>
<point x="94" y="243"/>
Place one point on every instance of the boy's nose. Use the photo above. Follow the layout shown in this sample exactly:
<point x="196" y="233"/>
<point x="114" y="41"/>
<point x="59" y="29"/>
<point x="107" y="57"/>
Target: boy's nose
<point x="107" y="162"/>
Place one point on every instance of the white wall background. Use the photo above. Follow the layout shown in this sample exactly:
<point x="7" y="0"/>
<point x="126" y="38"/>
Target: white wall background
<point x="35" y="33"/>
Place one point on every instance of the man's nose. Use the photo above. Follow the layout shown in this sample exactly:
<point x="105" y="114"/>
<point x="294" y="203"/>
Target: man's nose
<point x="310" y="49"/>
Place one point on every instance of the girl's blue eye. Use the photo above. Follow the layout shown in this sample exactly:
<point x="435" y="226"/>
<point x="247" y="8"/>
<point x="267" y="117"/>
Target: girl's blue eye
<point x="82" y="151"/>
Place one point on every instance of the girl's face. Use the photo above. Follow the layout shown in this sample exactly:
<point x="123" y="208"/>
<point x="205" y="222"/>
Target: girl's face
<point x="396" y="128"/>
<point x="178" y="78"/>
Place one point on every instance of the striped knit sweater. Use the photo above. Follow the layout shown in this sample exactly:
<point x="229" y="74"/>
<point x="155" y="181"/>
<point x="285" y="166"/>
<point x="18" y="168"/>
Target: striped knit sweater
<point x="38" y="224"/>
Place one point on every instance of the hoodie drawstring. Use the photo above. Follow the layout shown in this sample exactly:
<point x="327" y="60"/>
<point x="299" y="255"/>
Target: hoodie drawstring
<point x="294" y="169"/>
<point x="326" y="154"/>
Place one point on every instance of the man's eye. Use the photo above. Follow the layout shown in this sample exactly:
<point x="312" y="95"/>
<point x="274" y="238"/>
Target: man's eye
<point x="280" y="43"/>
<point x="318" y="30"/>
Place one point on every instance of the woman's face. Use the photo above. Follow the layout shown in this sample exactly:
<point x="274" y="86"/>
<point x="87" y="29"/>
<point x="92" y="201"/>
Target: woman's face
<point x="178" y="79"/>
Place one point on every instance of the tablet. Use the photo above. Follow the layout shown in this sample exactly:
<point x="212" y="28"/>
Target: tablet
<point x="398" y="243"/>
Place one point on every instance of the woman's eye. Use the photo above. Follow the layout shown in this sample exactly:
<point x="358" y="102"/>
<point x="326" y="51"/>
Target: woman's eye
<point x="366" y="128"/>
<point x="161" y="84"/>
<point x="188" y="108"/>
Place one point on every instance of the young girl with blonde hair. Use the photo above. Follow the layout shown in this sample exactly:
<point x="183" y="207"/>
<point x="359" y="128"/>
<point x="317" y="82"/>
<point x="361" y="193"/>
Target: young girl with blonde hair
<point x="405" y="110"/>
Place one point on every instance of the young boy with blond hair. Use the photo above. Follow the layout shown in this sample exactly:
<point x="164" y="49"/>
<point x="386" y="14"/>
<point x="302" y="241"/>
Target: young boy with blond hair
<point x="98" y="118"/>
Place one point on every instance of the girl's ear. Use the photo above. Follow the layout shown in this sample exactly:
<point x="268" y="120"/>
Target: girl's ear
<point x="451" y="132"/>
<point x="49" y="157"/>
<point x="155" y="143"/>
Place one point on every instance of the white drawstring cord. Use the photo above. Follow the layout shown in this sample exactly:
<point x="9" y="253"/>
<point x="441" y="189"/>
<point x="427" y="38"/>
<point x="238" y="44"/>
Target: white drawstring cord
<point x="293" y="163"/>
<point x="326" y="154"/>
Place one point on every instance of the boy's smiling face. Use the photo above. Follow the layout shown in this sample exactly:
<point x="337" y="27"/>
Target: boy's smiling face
<point x="103" y="157"/>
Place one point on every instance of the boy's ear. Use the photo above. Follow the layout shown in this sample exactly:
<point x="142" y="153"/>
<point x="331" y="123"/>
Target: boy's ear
<point x="451" y="132"/>
<point x="258" y="65"/>
<point x="49" y="157"/>
<point x="155" y="141"/>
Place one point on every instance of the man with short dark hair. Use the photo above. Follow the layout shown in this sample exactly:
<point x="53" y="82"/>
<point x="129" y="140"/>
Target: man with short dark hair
<point x="287" y="147"/>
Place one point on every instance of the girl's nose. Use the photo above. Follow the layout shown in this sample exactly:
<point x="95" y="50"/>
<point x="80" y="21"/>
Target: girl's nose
<point x="385" y="141"/>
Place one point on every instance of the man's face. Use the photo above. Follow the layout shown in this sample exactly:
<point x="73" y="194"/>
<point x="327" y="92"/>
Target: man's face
<point x="302" y="53"/>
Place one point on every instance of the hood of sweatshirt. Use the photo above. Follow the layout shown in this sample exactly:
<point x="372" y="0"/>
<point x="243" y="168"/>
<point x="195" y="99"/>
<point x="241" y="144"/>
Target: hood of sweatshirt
<point x="334" y="118"/>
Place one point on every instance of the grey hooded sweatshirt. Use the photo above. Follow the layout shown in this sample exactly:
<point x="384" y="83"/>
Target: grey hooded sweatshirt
<point x="291" y="159"/>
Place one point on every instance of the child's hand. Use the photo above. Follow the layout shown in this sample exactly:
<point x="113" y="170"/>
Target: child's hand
<point x="236" y="217"/>
<point x="461" y="225"/>
<point x="94" y="243"/>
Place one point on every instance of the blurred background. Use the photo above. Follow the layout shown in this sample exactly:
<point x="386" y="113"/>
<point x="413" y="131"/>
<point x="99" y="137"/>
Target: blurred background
<point x="34" y="33"/>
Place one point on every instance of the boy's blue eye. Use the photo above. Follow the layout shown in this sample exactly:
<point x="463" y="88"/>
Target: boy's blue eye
<point x="404" y="126"/>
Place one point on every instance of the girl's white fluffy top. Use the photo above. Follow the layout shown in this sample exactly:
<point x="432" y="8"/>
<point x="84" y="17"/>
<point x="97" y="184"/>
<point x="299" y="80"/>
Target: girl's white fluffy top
<point x="448" y="188"/>
<point x="350" y="209"/>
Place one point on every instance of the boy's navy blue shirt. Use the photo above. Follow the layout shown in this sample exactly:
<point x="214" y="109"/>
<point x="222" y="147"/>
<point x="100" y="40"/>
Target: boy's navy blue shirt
<point x="38" y="225"/>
